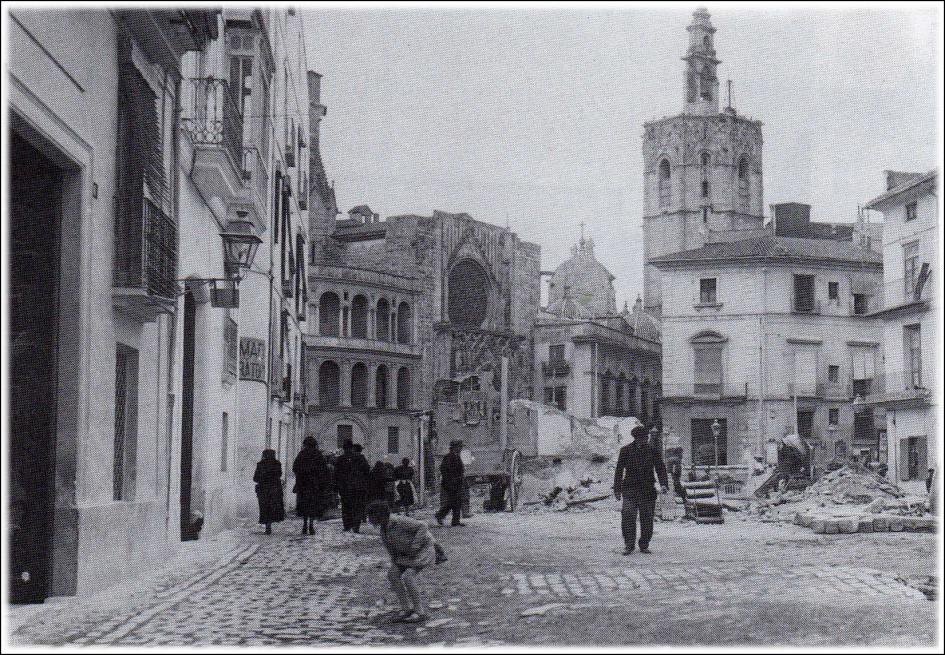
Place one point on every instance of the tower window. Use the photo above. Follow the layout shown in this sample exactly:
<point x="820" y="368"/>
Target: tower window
<point x="705" y="189"/>
<point x="707" y="42"/>
<point x="743" y="168"/>
<point x="743" y="182"/>
<point x="665" y="183"/>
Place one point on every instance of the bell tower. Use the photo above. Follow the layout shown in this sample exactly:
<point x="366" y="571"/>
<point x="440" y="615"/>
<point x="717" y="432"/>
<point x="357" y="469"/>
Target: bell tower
<point x="702" y="169"/>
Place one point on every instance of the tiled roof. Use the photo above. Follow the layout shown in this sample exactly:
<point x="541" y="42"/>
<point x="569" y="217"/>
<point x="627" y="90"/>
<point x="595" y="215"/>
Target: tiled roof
<point x="907" y="184"/>
<point x="774" y="248"/>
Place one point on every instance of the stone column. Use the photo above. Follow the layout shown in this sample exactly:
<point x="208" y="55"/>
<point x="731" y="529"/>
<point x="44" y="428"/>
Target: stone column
<point x="371" y="384"/>
<point x="345" y="381"/>
<point x="392" y="386"/>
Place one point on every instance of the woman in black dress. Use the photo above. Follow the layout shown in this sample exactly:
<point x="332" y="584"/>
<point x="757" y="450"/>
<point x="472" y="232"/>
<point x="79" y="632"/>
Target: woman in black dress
<point x="268" y="479"/>
<point x="311" y="478"/>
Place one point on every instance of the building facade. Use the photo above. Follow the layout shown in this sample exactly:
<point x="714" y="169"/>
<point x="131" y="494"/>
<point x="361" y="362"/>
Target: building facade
<point x="152" y="133"/>
<point x="770" y="335"/>
<point x="405" y="302"/>
<point x="906" y="303"/>
<point x="590" y="359"/>
<point x="702" y="168"/>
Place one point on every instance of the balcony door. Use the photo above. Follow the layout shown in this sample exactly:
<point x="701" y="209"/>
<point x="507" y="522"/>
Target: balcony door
<point x="36" y="195"/>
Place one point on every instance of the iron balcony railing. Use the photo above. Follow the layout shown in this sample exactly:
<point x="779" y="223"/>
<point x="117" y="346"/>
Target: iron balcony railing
<point x="146" y="252"/>
<point x="706" y="390"/>
<point x="555" y="368"/>
<point x="254" y="172"/>
<point x="901" y="292"/>
<point x="890" y="385"/>
<point x="212" y="117"/>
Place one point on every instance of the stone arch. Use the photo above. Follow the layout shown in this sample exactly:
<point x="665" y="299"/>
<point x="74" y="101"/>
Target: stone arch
<point x="359" y="317"/>
<point x="329" y="314"/>
<point x="380" y="386"/>
<point x="359" y="385"/>
<point x="383" y="319"/>
<point x="329" y="384"/>
<point x="403" y="388"/>
<point x="404" y="323"/>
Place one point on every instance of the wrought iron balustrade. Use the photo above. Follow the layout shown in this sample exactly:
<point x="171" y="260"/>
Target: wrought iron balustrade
<point x="146" y="251"/>
<point x="212" y="117"/>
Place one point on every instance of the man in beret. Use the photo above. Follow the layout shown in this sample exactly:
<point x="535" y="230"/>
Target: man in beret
<point x="635" y="483"/>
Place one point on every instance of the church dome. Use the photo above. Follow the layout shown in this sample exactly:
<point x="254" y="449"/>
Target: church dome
<point x="568" y="307"/>
<point x="589" y="282"/>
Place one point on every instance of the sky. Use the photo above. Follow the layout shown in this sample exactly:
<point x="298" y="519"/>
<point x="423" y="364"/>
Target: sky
<point x="533" y="117"/>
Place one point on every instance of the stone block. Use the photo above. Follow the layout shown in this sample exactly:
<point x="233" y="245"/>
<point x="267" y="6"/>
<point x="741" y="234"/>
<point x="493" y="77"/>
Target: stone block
<point x="818" y="525"/>
<point x="896" y="524"/>
<point x="865" y="524"/>
<point x="831" y="526"/>
<point x="803" y="519"/>
<point x="881" y="524"/>
<point x="848" y="525"/>
<point x="923" y="523"/>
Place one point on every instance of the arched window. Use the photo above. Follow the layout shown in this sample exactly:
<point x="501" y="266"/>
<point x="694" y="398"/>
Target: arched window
<point x="605" y="408"/>
<point x="359" y="385"/>
<point x="329" y="386"/>
<point x="744" y="182"/>
<point x="383" y="320"/>
<point x="380" y="387"/>
<point x="403" y="388"/>
<point x="665" y="183"/>
<point x="329" y="313"/>
<point x="404" y="323"/>
<point x="632" y="397"/>
<point x="707" y="42"/>
<point x="359" y="317"/>
<point x="645" y="402"/>
<point x="705" y="160"/>
<point x="618" y="395"/>
<point x="743" y="168"/>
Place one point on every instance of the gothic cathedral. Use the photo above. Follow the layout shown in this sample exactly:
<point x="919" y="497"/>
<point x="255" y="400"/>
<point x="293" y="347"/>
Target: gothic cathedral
<point x="702" y="168"/>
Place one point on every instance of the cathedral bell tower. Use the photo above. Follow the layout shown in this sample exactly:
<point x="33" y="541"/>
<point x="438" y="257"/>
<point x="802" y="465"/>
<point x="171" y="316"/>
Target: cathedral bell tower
<point x="702" y="177"/>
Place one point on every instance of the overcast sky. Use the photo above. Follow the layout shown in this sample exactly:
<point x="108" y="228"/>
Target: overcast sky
<point x="535" y="116"/>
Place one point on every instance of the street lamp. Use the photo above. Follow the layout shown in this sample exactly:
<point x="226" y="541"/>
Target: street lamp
<point x="716" y="431"/>
<point x="239" y="248"/>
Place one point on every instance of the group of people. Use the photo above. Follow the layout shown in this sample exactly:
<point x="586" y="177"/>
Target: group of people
<point x="320" y="477"/>
<point x="370" y="493"/>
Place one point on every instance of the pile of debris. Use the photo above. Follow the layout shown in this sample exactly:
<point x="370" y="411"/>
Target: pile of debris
<point x="566" y="484"/>
<point x="848" y="491"/>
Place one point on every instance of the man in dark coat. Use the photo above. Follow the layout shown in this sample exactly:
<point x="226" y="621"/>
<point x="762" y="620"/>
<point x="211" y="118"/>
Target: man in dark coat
<point x="452" y="473"/>
<point x="351" y="477"/>
<point x="635" y="483"/>
<point x="311" y="476"/>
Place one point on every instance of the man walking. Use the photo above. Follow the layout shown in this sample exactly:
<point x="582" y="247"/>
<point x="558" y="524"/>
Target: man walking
<point x="351" y="478"/>
<point x="452" y="472"/>
<point x="635" y="483"/>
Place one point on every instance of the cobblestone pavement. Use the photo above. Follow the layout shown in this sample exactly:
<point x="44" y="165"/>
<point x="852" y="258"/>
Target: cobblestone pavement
<point x="555" y="579"/>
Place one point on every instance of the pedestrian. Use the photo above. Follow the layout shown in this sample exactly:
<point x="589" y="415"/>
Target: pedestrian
<point x="452" y="473"/>
<point x="390" y="484"/>
<point x="377" y="483"/>
<point x="411" y="548"/>
<point x="268" y="479"/>
<point x="311" y="478"/>
<point x="634" y="482"/>
<point x="351" y="478"/>
<point x="882" y="470"/>
<point x="406" y="493"/>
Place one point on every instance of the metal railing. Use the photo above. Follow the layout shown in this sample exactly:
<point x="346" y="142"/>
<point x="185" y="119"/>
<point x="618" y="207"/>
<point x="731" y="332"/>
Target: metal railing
<point x="804" y="305"/>
<point x="892" y="383"/>
<point x="705" y="390"/>
<point x="254" y="172"/>
<point x="211" y="115"/>
<point x="146" y="251"/>
<point x="897" y="293"/>
<point x="555" y="368"/>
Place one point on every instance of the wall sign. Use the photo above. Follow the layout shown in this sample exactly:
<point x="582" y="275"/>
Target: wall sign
<point x="252" y="359"/>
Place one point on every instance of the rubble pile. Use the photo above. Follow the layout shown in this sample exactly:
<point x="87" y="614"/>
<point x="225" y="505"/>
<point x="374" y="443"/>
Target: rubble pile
<point x="850" y="493"/>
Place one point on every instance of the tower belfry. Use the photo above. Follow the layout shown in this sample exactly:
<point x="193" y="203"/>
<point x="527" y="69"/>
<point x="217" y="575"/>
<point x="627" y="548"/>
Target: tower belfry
<point x="702" y="168"/>
<point x="702" y="83"/>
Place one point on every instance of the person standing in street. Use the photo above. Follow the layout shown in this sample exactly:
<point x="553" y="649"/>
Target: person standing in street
<point x="311" y="476"/>
<point x="351" y="477"/>
<point x="377" y="483"/>
<point x="268" y="479"/>
<point x="406" y="494"/>
<point x="452" y="473"/>
<point x="635" y="483"/>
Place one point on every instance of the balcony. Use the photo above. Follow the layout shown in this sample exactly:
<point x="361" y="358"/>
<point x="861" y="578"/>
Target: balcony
<point x="253" y="200"/>
<point x="145" y="274"/>
<point x="708" y="391"/>
<point x="555" y="368"/>
<point x="902" y="295"/>
<point x="897" y="389"/>
<point x="805" y="305"/>
<point x="358" y="344"/>
<point x="210" y="116"/>
<point x="166" y="34"/>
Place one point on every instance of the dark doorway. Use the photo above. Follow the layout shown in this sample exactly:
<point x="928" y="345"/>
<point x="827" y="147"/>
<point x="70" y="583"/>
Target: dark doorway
<point x="36" y="196"/>
<point x="706" y="449"/>
<point x="188" y="530"/>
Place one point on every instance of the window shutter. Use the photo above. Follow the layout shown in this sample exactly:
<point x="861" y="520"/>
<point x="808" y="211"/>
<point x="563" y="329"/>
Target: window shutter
<point x="805" y="371"/>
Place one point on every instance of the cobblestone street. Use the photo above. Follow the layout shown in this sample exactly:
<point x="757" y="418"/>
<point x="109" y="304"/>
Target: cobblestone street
<point x="523" y="579"/>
